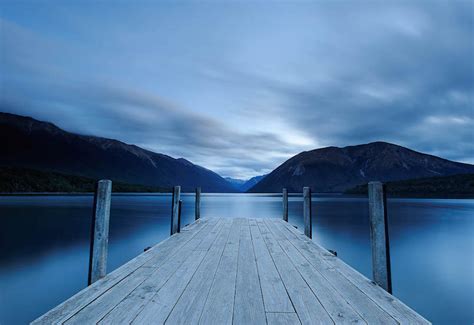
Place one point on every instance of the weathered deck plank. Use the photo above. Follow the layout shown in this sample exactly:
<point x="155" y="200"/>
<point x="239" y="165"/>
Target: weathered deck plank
<point x="96" y="310"/>
<point x="328" y="285"/>
<point x="189" y="307"/>
<point x="282" y="319"/>
<point x="70" y="307"/>
<point x="234" y="271"/>
<point x="338" y="308"/>
<point x="219" y="305"/>
<point x="307" y="306"/>
<point x="394" y="307"/>
<point x="129" y="307"/>
<point x="159" y="307"/>
<point x="275" y="297"/>
<point x="248" y="305"/>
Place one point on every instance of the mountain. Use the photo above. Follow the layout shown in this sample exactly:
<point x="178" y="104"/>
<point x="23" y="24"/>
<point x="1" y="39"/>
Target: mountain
<point x="244" y="185"/>
<point x="24" y="180"/>
<point x="235" y="182"/>
<point x="33" y="144"/>
<point x="251" y="182"/>
<point x="334" y="169"/>
<point x="459" y="186"/>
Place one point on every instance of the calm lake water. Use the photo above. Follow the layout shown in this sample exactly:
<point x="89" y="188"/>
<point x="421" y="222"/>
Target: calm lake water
<point x="44" y="244"/>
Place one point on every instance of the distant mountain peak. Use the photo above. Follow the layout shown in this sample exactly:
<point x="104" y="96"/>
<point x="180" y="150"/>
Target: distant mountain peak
<point x="244" y="185"/>
<point x="335" y="169"/>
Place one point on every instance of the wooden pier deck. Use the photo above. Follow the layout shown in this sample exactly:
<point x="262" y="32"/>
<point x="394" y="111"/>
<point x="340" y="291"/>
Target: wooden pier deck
<point x="234" y="271"/>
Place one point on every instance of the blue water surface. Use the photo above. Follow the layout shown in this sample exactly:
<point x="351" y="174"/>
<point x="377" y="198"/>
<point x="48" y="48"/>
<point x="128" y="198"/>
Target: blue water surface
<point x="44" y="244"/>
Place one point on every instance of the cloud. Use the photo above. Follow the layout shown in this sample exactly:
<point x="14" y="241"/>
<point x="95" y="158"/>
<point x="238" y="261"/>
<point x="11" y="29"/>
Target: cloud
<point x="241" y="88"/>
<point x="385" y="72"/>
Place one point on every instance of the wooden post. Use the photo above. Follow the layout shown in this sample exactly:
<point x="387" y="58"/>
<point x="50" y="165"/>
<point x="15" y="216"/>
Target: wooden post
<point x="175" y="210"/>
<point x="285" y="204"/>
<point x="197" y="208"/>
<point x="180" y="205"/>
<point x="100" y="231"/>
<point x="308" y="228"/>
<point x="379" y="236"/>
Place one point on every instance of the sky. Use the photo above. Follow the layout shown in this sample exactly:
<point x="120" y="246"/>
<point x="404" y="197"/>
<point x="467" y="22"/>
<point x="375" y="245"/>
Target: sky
<point x="240" y="86"/>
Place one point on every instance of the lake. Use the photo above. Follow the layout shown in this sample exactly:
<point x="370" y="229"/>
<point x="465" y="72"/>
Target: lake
<point x="44" y="244"/>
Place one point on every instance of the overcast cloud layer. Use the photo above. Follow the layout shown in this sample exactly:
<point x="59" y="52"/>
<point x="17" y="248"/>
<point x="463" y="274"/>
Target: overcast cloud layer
<point x="240" y="87"/>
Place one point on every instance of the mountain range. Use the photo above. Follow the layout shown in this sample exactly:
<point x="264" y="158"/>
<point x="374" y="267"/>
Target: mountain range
<point x="29" y="143"/>
<point x="41" y="146"/>
<point x="334" y="169"/>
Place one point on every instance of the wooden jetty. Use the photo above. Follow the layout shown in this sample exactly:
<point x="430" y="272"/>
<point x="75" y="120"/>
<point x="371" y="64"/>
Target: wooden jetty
<point x="238" y="271"/>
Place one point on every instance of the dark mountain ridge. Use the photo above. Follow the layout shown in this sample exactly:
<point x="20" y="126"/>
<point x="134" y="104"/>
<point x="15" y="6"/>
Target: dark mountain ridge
<point x="335" y="169"/>
<point x="30" y="143"/>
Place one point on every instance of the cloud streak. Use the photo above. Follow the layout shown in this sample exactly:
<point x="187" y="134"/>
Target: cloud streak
<point x="239" y="88"/>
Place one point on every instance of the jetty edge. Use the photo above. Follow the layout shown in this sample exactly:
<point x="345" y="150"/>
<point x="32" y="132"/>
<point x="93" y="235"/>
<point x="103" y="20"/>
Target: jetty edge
<point x="238" y="271"/>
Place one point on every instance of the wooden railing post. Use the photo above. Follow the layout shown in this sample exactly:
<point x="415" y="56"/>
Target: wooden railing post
<point x="175" y="209"/>
<point x="308" y="228"/>
<point x="180" y="206"/>
<point x="100" y="231"/>
<point x="197" y="208"/>
<point x="285" y="205"/>
<point x="379" y="236"/>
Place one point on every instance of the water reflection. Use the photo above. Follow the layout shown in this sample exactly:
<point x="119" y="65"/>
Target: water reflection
<point x="44" y="244"/>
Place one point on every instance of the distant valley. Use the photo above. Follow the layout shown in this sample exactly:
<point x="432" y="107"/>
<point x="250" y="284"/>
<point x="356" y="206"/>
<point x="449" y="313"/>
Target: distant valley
<point x="244" y="185"/>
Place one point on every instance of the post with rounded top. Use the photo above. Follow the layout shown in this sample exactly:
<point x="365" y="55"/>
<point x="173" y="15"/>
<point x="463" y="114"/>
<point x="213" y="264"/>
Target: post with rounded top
<point x="379" y="236"/>
<point x="175" y="210"/>
<point x="308" y="228"/>
<point x="197" y="209"/>
<point x="100" y="231"/>
<point x="285" y="205"/>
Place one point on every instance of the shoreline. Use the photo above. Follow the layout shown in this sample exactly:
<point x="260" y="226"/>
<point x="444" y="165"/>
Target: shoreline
<point x="347" y="195"/>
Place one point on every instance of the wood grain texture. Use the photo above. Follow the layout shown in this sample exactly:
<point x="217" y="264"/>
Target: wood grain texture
<point x="219" y="305"/>
<point x="379" y="236"/>
<point x="308" y="307"/>
<point x="307" y="212"/>
<point x="283" y="319"/>
<point x="390" y="304"/>
<point x="285" y="204"/>
<point x="189" y="307"/>
<point x="175" y="210"/>
<point x="100" y="231"/>
<point x="248" y="305"/>
<point x="234" y="271"/>
<point x="99" y="308"/>
<point x="197" y="204"/>
<point x="157" y="310"/>
<point x="68" y="308"/>
<point x="129" y="307"/>
<point x="274" y="293"/>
